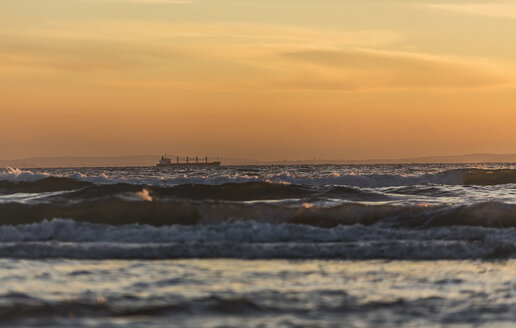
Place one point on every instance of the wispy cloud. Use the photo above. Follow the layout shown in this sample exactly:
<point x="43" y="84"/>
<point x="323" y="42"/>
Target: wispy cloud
<point x="220" y="33"/>
<point x="492" y="8"/>
<point x="242" y="56"/>
<point x="146" y="1"/>
<point x="365" y="69"/>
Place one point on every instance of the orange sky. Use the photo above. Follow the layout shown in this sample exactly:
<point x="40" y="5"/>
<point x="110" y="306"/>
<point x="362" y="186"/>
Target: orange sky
<point x="260" y="79"/>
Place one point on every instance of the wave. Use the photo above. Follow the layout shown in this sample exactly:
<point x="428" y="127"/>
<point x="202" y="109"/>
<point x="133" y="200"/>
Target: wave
<point x="248" y="191"/>
<point x="64" y="230"/>
<point x="115" y="211"/>
<point x="14" y="174"/>
<point x="88" y="305"/>
<point x="45" y="184"/>
<point x="124" y="304"/>
<point x="449" y="177"/>
<point x="20" y="307"/>
<point x="251" y="240"/>
<point x="231" y="191"/>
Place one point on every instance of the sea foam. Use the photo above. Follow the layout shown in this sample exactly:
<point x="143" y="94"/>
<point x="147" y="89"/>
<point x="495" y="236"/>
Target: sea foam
<point x="449" y="177"/>
<point x="68" y="239"/>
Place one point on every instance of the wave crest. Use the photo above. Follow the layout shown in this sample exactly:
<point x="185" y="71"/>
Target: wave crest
<point x="450" y="177"/>
<point x="68" y="239"/>
<point x="119" y="212"/>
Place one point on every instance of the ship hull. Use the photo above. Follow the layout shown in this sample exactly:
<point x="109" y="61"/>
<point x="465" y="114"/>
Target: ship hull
<point x="188" y="164"/>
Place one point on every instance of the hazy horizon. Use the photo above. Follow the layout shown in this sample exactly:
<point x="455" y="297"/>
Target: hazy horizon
<point x="308" y="158"/>
<point x="150" y="160"/>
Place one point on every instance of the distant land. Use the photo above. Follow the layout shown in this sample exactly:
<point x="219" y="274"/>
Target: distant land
<point x="151" y="160"/>
<point x="100" y="161"/>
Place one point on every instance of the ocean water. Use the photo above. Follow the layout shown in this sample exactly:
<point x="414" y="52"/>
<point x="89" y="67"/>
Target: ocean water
<point x="259" y="246"/>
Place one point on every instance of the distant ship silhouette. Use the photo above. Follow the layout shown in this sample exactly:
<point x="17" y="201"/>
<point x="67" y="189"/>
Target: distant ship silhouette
<point x="165" y="161"/>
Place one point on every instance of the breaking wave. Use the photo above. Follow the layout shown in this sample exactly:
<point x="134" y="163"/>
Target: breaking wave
<point x="73" y="190"/>
<point x="68" y="239"/>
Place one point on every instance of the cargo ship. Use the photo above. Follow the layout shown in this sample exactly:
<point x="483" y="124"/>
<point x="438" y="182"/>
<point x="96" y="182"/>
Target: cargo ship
<point x="190" y="161"/>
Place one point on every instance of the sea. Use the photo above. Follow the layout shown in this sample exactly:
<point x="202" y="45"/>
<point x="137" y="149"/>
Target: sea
<point x="413" y="245"/>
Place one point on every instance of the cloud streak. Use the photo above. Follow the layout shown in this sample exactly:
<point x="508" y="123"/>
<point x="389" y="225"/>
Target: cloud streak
<point x="493" y="8"/>
<point x="220" y="33"/>
<point x="240" y="56"/>
<point x="180" y="2"/>
<point x="366" y="69"/>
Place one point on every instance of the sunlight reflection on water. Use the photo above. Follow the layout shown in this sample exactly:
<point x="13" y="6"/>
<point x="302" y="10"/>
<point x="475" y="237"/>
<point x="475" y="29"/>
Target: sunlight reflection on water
<point x="211" y="293"/>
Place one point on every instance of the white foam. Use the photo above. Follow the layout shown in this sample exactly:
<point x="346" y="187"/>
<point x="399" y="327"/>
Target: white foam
<point x="251" y="240"/>
<point x="400" y="250"/>
<point x="371" y="181"/>
<point x="14" y="174"/>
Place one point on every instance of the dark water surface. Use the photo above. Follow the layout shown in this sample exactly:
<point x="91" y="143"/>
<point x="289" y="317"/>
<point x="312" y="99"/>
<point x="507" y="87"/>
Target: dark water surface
<point x="259" y="246"/>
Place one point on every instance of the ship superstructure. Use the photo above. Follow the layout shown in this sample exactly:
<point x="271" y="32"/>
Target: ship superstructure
<point x="189" y="161"/>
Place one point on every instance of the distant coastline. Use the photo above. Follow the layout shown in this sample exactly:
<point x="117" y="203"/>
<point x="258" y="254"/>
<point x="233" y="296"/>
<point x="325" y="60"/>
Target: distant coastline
<point x="150" y="160"/>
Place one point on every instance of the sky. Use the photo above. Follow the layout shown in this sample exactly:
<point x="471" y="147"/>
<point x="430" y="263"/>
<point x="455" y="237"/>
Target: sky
<point x="267" y="79"/>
